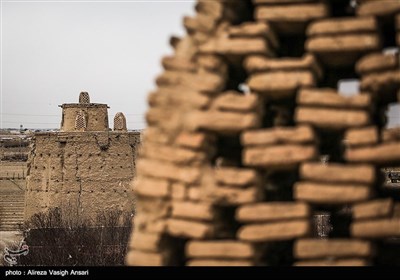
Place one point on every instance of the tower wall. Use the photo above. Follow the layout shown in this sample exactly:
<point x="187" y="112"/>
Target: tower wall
<point x="83" y="173"/>
<point x="96" y="116"/>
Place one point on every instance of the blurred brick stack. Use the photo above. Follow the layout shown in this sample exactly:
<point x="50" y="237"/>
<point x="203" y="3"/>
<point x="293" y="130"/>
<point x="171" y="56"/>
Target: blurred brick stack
<point x="253" y="156"/>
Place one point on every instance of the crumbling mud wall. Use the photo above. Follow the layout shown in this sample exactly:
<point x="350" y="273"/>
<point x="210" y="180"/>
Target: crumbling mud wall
<point x="86" y="169"/>
<point x="252" y="156"/>
<point x="96" y="116"/>
<point x="83" y="173"/>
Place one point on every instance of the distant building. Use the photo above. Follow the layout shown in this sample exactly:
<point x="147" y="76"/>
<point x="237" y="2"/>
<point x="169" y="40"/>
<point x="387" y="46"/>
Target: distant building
<point x="84" y="169"/>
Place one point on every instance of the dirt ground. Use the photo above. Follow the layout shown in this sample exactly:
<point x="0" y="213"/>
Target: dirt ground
<point x="7" y="169"/>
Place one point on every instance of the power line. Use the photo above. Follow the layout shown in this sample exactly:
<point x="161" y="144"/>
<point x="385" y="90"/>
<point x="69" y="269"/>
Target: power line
<point x="30" y="115"/>
<point x="35" y="115"/>
<point x="29" y="122"/>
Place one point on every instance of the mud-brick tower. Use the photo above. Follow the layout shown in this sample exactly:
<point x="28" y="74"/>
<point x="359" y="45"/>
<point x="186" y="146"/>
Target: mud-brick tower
<point x="254" y="155"/>
<point x="85" y="168"/>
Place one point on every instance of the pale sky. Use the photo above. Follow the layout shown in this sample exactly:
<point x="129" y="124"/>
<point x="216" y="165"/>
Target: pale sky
<point x="53" y="50"/>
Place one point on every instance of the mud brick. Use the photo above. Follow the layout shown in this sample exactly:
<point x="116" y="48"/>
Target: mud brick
<point x="285" y="16"/>
<point x="342" y="26"/>
<point x="168" y="171"/>
<point x="329" y="248"/>
<point x="156" y="135"/>
<point x="178" y="191"/>
<point x="330" y="98"/>
<point x="275" y="231"/>
<point x="174" y="155"/>
<point x="382" y="85"/>
<point x="236" y="46"/>
<point x="231" y="9"/>
<point x="222" y="122"/>
<point x="343" y="43"/>
<point x="149" y="223"/>
<point x="213" y="262"/>
<point x="373" y="209"/>
<point x="255" y="64"/>
<point x="233" y="196"/>
<point x="365" y="136"/>
<point x="144" y="186"/>
<point x="194" y="193"/>
<point x="146" y="241"/>
<point x="213" y="63"/>
<point x="195" y="140"/>
<point x="200" y="37"/>
<point x="178" y="64"/>
<point x="332" y="118"/>
<point x="280" y="84"/>
<point x="279" y="157"/>
<point x="379" y="8"/>
<point x="193" y="210"/>
<point x="214" y="9"/>
<point x="235" y="101"/>
<point x="220" y="249"/>
<point x="190" y="229"/>
<point x="390" y="135"/>
<point x="139" y="258"/>
<point x="156" y="115"/>
<point x="339" y="262"/>
<point x="380" y="154"/>
<point x="338" y="173"/>
<point x="153" y="207"/>
<point x="204" y="81"/>
<point x="279" y="135"/>
<point x="376" y="228"/>
<point x="377" y="62"/>
<point x="331" y="193"/>
<point x="258" y="29"/>
<point x="184" y="47"/>
<point x="272" y="211"/>
<point x="200" y="22"/>
<point x="239" y="177"/>
<point x="171" y="96"/>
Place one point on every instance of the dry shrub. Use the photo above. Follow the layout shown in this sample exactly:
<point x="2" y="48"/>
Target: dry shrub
<point x="60" y="239"/>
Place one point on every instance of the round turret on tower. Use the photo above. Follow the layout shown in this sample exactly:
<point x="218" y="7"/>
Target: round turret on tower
<point x="120" y="122"/>
<point x="84" y="116"/>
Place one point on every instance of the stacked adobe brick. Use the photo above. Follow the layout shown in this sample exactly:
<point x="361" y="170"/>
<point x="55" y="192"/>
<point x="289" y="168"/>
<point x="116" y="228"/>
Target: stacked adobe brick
<point x="249" y="139"/>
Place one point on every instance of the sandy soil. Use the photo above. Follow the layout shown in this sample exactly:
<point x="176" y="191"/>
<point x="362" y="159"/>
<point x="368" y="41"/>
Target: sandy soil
<point x="7" y="169"/>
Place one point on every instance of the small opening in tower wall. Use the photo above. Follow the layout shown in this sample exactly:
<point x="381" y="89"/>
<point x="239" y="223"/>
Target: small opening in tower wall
<point x="237" y="76"/>
<point x="331" y="147"/>
<point x="348" y="87"/>
<point x="387" y="28"/>
<point x="335" y="77"/>
<point x="229" y="152"/>
<point x="278" y="253"/>
<point x="322" y="224"/>
<point x="291" y="45"/>
<point x="394" y="177"/>
<point x="278" y="114"/>
<point x="343" y="8"/>
<point x="391" y="51"/>
<point x="393" y="115"/>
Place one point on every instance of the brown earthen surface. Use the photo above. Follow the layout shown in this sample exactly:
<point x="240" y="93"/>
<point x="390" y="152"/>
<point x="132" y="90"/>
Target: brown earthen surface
<point x="254" y="156"/>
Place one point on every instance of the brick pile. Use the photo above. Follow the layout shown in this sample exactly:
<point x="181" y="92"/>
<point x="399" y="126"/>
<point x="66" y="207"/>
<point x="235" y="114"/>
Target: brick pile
<point x="249" y="140"/>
